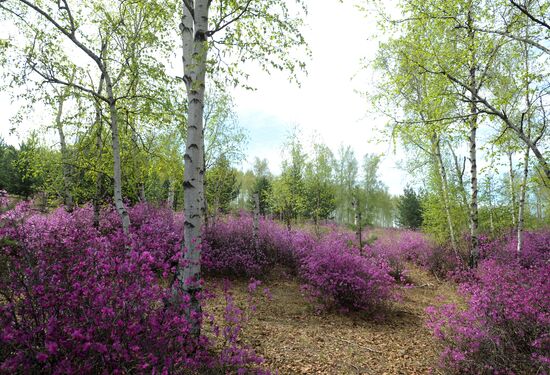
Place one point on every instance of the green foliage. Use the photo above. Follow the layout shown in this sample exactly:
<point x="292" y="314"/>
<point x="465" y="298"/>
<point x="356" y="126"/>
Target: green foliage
<point x="221" y="186"/>
<point x="320" y="201"/>
<point x="262" y="187"/>
<point x="409" y="210"/>
<point x="288" y="193"/>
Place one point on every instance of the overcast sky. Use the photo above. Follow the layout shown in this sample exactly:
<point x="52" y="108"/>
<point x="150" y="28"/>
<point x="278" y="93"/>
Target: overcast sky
<point x="328" y="102"/>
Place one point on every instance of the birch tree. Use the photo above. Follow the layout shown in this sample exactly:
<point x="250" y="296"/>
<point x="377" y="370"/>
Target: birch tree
<point x="260" y="30"/>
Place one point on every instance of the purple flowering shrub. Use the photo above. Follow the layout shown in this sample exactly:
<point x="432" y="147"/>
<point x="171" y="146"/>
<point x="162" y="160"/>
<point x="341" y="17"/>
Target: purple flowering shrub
<point x="78" y="299"/>
<point x="330" y="267"/>
<point x="340" y="277"/>
<point x="536" y="248"/>
<point x="399" y="247"/>
<point x="505" y="327"/>
<point x="229" y="247"/>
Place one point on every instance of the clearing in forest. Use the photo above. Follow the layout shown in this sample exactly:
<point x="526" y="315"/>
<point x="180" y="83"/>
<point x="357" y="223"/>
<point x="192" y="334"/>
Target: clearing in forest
<point x="295" y="339"/>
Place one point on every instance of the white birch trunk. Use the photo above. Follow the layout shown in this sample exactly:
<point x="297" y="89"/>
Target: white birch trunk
<point x="171" y="195"/>
<point x="445" y="190"/>
<point x="257" y="222"/>
<point x="117" y="169"/>
<point x="195" y="48"/>
<point x="521" y="210"/>
<point x="512" y="189"/>
<point x="491" y="219"/>
<point x="66" y="169"/>
<point x="474" y="219"/>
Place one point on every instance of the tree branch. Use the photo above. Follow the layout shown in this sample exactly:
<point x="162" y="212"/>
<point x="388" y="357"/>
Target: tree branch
<point x="221" y="26"/>
<point x="525" y="11"/>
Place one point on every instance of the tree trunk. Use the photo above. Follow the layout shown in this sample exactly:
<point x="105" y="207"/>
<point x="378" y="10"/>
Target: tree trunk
<point x="171" y="194"/>
<point x="521" y="210"/>
<point x="512" y="188"/>
<point x="491" y="219"/>
<point x="117" y="169"/>
<point x="460" y="177"/>
<point x="99" y="146"/>
<point x="445" y="190"/>
<point x="67" y="195"/>
<point x="474" y="219"/>
<point x="195" y="49"/>
<point x="539" y="204"/>
<point x="523" y="189"/>
<point x="358" y="228"/>
<point x="257" y="223"/>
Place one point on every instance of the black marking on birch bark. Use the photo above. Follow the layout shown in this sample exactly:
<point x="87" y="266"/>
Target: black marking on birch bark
<point x="200" y="36"/>
<point x="188" y="185"/>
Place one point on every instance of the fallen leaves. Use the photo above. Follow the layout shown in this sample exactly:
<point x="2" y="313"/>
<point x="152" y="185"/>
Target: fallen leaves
<point x="294" y="339"/>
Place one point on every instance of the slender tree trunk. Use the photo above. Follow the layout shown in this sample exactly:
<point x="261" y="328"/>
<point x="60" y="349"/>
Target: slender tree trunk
<point x="117" y="168"/>
<point x="445" y="190"/>
<point x="357" y="221"/>
<point x="491" y="219"/>
<point x="521" y="210"/>
<point x="539" y="204"/>
<point x="523" y="189"/>
<point x="359" y="232"/>
<point x="67" y="195"/>
<point x="460" y="177"/>
<point x="474" y="219"/>
<point x="99" y="146"/>
<point x="511" y="178"/>
<point x="142" y="196"/>
<point x="257" y="223"/>
<point x="171" y="194"/>
<point x="195" y="49"/>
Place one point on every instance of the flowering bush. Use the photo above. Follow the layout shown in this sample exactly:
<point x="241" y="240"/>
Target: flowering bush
<point x="398" y="247"/>
<point x="535" y="250"/>
<point x="229" y="247"/>
<point x="506" y="325"/>
<point x="339" y="276"/>
<point x="79" y="299"/>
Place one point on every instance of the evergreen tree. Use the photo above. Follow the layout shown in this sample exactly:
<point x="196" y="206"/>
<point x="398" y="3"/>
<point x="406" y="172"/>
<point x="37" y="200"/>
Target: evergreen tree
<point x="409" y="209"/>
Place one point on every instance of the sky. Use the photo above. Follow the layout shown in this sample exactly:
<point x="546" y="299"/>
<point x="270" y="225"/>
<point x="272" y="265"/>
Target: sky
<point x="328" y="103"/>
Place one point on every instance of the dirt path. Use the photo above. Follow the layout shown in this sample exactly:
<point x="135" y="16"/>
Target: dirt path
<point x="294" y="339"/>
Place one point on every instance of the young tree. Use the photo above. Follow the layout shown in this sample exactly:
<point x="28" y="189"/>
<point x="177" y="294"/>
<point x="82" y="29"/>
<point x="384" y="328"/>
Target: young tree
<point x="221" y="186"/>
<point x="319" y="185"/>
<point x="409" y="209"/>
<point x="288" y="193"/>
